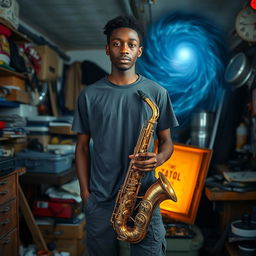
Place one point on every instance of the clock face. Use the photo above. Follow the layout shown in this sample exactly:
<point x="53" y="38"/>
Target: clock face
<point x="246" y="24"/>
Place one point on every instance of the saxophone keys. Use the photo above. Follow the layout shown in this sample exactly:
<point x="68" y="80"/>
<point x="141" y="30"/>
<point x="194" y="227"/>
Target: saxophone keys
<point x="140" y="219"/>
<point x="131" y="194"/>
<point x="145" y="206"/>
<point x="128" y="203"/>
<point x="126" y="212"/>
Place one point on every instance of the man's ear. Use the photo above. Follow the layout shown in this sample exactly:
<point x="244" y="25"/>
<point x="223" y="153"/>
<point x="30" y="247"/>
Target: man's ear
<point x="107" y="49"/>
<point x="140" y="51"/>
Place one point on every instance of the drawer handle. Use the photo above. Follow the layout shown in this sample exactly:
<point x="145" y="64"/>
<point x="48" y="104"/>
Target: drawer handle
<point x="3" y="193"/>
<point x="5" y="222"/>
<point x="6" y="240"/>
<point x="5" y="209"/>
<point x="4" y="182"/>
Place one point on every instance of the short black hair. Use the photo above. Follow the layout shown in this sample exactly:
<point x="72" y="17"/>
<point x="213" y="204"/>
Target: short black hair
<point x="124" y="22"/>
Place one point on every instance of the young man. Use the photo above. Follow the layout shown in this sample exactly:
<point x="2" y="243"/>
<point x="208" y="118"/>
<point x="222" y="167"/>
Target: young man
<point x="110" y="114"/>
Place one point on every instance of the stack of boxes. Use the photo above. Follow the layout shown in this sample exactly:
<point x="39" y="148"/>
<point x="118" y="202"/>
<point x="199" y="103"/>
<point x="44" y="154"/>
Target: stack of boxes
<point x="64" y="237"/>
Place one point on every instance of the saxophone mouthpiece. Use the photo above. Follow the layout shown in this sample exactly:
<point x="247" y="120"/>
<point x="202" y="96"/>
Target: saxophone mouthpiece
<point x="142" y="94"/>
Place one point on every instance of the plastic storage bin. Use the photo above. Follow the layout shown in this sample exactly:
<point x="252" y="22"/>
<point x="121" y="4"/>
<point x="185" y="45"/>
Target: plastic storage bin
<point x="43" y="162"/>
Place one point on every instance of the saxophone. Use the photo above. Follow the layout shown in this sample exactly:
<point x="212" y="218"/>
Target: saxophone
<point x="128" y="194"/>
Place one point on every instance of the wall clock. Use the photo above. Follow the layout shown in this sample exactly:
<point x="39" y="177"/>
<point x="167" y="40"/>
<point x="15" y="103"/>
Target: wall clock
<point x="246" y="24"/>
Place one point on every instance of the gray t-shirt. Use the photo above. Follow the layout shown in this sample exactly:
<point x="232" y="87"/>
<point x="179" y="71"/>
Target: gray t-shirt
<point x="113" y="115"/>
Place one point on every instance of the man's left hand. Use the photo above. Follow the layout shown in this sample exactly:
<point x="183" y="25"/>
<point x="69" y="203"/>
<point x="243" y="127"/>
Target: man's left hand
<point x="145" y="162"/>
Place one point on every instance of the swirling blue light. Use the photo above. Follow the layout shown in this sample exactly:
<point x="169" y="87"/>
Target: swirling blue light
<point x="185" y="54"/>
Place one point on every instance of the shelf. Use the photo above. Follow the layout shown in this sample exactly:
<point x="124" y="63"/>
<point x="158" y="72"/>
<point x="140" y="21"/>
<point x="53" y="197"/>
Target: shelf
<point x="8" y="72"/>
<point x="11" y="137"/>
<point x="48" y="178"/>
<point x="1" y="138"/>
<point x="220" y="195"/>
<point x="16" y="35"/>
<point x="6" y="103"/>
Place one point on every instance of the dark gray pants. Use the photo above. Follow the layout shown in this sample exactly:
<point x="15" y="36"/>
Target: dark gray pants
<point x="101" y="238"/>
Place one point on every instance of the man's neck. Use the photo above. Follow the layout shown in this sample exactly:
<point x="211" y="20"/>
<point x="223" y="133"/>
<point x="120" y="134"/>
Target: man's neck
<point x="123" y="78"/>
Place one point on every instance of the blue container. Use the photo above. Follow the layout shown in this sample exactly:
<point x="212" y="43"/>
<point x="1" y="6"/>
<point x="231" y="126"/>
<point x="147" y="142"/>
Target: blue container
<point x="43" y="162"/>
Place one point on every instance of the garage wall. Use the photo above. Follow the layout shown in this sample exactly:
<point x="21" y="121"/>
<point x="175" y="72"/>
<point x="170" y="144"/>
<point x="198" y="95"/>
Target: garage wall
<point x="97" y="56"/>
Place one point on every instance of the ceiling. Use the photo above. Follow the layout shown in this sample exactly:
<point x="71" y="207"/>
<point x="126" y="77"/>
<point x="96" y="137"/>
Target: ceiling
<point x="78" y="24"/>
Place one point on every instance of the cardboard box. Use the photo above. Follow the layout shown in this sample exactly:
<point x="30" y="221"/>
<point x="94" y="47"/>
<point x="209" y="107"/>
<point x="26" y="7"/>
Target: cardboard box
<point x="63" y="231"/>
<point x="67" y="237"/>
<point x="76" y="247"/>
<point x="9" y="11"/>
<point x="61" y="130"/>
<point x="12" y="80"/>
<point x="49" y="63"/>
<point x="19" y="96"/>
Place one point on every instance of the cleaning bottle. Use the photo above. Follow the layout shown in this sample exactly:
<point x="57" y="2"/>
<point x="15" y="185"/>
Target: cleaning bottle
<point x="241" y="136"/>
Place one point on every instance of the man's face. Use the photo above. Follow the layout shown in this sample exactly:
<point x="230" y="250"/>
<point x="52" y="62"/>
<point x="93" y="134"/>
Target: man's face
<point x="124" y="48"/>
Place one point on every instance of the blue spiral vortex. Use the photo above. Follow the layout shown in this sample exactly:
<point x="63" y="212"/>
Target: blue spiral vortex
<point x="185" y="54"/>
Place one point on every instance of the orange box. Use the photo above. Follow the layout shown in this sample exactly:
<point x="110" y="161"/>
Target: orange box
<point x="12" y="80"/>
<point x="19" y="96"/>
<point x="186" y="170"/>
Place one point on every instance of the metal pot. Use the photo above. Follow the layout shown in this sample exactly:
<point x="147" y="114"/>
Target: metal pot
<point x="238" y="70"/>
<point x="244" y="227"/>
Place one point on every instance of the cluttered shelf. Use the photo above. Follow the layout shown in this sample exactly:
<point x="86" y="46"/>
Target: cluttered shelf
<point x="8" y="72"/>
<point x="15" y="35"/>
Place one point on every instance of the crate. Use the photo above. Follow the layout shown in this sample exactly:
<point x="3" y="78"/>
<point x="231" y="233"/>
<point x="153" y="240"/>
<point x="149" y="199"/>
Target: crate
<point x="44" y="162"/>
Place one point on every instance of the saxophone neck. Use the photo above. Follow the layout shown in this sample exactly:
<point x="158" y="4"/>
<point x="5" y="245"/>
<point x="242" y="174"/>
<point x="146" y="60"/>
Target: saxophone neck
<point x="152" y="105"/>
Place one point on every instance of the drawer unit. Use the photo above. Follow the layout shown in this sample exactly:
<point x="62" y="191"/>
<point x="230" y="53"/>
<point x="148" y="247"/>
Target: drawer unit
<point x="9" y="214"/>
<point x="8" y="188"/>
<point x="8" y="220"/>
<point x="9" y="244"/>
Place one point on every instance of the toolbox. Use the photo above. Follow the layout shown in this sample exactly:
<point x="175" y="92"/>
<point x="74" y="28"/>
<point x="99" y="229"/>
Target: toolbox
<point x="44" y="162"/>
<point x="58" y="208"/>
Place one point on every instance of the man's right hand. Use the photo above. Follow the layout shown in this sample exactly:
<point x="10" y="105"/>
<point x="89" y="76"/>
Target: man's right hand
<point x="85" y="195"/>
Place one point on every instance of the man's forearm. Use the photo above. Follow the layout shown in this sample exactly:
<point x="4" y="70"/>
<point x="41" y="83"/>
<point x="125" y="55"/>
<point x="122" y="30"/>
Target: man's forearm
<point x="82" y="170"/>
<point x="165" y="150"/>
